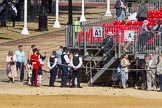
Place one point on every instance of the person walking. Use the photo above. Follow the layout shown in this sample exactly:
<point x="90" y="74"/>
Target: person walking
<point x="65" y="62"/>
<point x="11" y="63"/>
<point x="52" y="65"/>
<point x="151" y="66"/>
<point x="124" y="69"/>
<point x="76" y="64"/>
<point x="107" y="44"/>
<point x="21" y="61"/>
<point x="159" y="71"/>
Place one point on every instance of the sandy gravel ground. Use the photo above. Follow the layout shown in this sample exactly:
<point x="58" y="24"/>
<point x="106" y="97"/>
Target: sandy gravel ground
<point x="20" y="95"/>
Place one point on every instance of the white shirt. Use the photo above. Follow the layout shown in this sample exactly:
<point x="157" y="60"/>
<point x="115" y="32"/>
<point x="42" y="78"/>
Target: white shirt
<point x="132" y="16"/>
<point x="150" y="62"/>
<point x="8" y="58"/>
<point x="14" y="8"/>
<point x="127" y="63"/>
<point x="66" y="58"/>
<point x="49" y="66"/>
<point x="80" y="62"/>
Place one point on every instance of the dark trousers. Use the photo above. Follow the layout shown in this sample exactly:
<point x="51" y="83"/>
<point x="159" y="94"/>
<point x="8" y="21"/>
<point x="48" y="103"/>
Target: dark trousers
<point x="160" y="78"/>
<point x="13" y="20"/>
<point x="49" y="6"/>
<point x="20" y="66"/>
<point x="40" y="72"/>
<point x="59" y="71"/>
<point x="143" y="78"/>
<point x="18" y="7"/>
<point x="53" y="74"/>
<point x="3" y="20"/>
<point x="142" y="18"/>
<point x="34" y="77"/>
<point x="64" y="76"/>
<point x="76" y="74"/>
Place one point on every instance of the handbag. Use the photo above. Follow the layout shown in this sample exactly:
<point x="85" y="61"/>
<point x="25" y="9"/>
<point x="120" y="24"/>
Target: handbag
<point x="8" y="68"/>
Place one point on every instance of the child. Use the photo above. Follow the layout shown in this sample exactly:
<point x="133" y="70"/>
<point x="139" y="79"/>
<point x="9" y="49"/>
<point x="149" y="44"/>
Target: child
<point x="29" y="74"/>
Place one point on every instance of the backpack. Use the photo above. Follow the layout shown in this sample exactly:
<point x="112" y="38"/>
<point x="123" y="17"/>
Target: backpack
<point x="119" y="69"/>
<point x="116" y="73"/>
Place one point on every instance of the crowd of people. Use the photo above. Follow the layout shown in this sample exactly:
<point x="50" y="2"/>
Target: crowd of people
<point x="149" y="72"/>
<point x="61" y="63"/>
<point x="139" y="15"/>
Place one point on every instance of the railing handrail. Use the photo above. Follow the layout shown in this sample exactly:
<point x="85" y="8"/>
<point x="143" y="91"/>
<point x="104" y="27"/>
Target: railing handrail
<point x="96" y="56"/>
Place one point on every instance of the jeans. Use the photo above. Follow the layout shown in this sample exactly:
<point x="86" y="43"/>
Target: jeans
<point x="124" y="78"/>
<point x="76" y="74"/>
<point x="160" y="78"/>
<point x="53" y="74"/>
<point x="122" y="16"/>
<point x="20" y="66"/>
<point x="64" y="76"/>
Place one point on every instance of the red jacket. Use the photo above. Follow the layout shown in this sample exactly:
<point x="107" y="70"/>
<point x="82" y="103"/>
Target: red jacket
<point x="34" y="61"/>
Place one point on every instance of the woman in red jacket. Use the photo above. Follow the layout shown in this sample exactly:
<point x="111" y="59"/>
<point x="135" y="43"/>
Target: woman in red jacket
<point x="34" y="61"/>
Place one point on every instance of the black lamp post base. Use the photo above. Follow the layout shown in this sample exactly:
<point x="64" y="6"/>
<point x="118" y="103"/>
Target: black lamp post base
<point x="43" y="25"/>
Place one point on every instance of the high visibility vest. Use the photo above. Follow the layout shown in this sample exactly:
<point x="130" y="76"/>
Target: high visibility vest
<point x="77" y="27"/>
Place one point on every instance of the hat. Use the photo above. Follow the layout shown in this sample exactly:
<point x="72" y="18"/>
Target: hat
<point x="109" y="34"/>
<point x="145" y="21"/>
<point x="155" y="20"/>
<point x="35" y="49"/>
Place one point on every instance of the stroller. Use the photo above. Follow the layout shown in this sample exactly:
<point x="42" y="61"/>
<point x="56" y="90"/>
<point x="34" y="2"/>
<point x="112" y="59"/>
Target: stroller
<point x="116" y="76"/>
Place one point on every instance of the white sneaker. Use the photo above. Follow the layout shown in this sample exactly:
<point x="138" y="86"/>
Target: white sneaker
<point x="136" y="87"/>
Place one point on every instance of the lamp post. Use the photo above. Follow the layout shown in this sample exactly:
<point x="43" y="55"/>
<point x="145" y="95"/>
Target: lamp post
<point x="43" y="25"/>
<point x="108" y="13"/>
<point x="82" y="18"/>
<point x="25" y="29"/>
<point x="70" y="23"/>
<point x="57" y="24"/>
<point x="70" y="13"/>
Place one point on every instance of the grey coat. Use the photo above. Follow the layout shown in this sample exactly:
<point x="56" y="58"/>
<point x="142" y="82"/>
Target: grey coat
<point x="142" y="11"/>
<point x="159" y="68"/>
<point x="153" y="66"/>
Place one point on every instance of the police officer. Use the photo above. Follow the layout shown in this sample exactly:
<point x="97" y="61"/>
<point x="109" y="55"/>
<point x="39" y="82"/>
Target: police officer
<point x="64" y="66"/>
<point x="76" y="63"/>
<point x="52" y="61"/>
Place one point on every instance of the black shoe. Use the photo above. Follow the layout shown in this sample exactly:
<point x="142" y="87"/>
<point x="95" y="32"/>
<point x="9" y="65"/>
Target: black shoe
<point x="21" y="80"/>
<point x="51" y="86"/>
<point x="72" y="86"/>
<point x="79" y="87"/>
